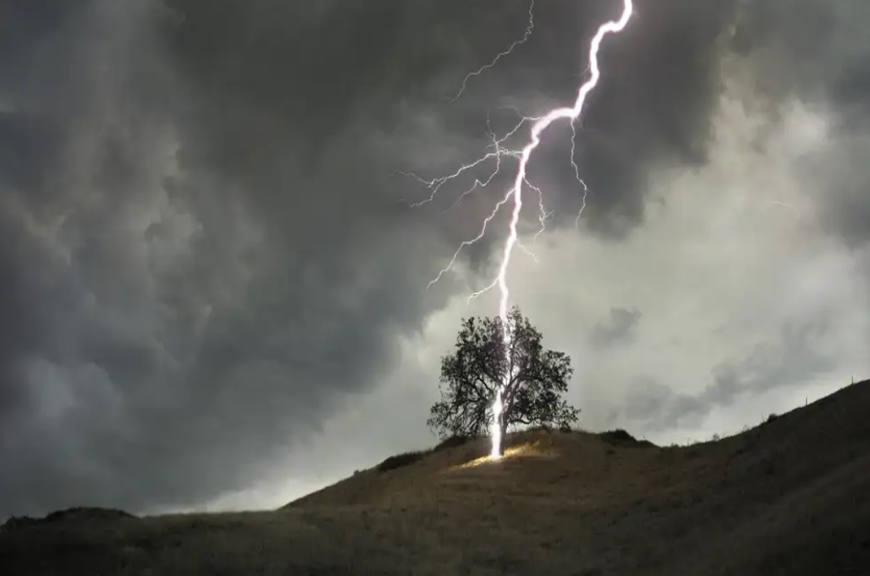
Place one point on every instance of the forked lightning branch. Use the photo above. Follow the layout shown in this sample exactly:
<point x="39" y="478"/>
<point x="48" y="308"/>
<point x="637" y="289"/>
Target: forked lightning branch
<point x="514" y="196"/>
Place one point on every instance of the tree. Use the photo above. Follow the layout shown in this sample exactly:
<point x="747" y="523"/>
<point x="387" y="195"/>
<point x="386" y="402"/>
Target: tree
<point x="533" y="379"/>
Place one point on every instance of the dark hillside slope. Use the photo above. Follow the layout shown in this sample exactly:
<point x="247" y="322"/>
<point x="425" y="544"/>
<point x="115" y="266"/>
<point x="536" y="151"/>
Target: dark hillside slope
<point x="791" y="496"/>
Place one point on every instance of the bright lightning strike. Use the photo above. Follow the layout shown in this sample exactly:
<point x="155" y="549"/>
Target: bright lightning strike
<point x="515" y="194"/>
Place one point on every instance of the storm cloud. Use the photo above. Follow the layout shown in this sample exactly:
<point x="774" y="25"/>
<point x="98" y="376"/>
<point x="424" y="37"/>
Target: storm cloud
<point x="619" y="327"/>
<point x="797" y="357"/>
<point x="204" y="246"/>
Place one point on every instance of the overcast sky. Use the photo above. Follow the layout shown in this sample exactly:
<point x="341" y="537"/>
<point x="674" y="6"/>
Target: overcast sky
<point x="214" y="295"/>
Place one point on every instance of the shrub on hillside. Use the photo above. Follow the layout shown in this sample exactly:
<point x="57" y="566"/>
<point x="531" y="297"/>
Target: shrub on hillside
<point x="563" y="428"/>
<point x="451" y="442"/>
<point x="67" y="515"/>
<point x="622" y="438"/>
<point x="400" y="460"/>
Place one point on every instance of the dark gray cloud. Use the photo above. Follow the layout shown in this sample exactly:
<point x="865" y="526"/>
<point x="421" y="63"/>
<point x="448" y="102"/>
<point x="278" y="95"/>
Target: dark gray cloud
<point x="202" y="246"/>
<point x="817" y="52"/>
<point x="619" y="327"/>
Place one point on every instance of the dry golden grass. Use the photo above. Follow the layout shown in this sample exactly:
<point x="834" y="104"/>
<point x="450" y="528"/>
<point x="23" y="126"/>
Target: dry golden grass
<point x="789" y="497"/>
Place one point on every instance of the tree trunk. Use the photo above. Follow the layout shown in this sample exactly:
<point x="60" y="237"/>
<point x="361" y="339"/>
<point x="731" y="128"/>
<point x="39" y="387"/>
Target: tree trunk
<point x="503" y="428"/>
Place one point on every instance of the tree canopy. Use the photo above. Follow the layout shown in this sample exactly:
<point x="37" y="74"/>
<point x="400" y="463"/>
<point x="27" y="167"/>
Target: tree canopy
<point x="534" y="379"/>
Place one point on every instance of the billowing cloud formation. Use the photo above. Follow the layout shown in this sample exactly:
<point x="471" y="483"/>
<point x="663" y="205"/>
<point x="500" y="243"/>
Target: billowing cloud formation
<point x="202" y="244"/>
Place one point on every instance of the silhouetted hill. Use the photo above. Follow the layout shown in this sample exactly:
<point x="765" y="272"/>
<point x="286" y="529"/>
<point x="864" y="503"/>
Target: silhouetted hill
<point x="78" y="514"/>
<point x="787" y="497"/>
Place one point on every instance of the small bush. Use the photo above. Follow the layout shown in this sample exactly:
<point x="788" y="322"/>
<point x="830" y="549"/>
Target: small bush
<point x="452" y="442"/>
<point x="771" y="418"/>
<point x="620" y="437"/>
<point x="68" y="515"/>
<point x="19" y="522"/>
<point x="400" y="460"/>
<point x="87" y="513"/>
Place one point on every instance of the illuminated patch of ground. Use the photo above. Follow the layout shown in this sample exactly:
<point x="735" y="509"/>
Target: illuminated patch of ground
<point x="536" y="449"/>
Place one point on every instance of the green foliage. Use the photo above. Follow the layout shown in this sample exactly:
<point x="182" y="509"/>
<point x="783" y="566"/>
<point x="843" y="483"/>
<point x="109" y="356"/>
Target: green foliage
<point x="400" y="460"/>
<point x="535" y="378"/>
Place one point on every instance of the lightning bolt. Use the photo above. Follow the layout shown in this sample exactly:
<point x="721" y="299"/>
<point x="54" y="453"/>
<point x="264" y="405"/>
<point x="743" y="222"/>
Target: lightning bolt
<point x="786" y="205"/>
<point x="499" y="56"/>
<point x="520" y="181"/>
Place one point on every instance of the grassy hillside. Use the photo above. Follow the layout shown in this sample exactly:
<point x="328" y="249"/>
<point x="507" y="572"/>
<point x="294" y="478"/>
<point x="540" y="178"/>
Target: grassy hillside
<point x="791" y="496"/>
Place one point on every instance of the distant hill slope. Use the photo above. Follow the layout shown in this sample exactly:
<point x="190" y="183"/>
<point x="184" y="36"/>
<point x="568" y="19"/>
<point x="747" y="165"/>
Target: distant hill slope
<point x="791" y="496"/>
<point x="69" y="515"/>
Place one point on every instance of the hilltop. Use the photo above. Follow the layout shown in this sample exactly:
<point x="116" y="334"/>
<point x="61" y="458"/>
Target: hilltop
<point x="786" y="497"/>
